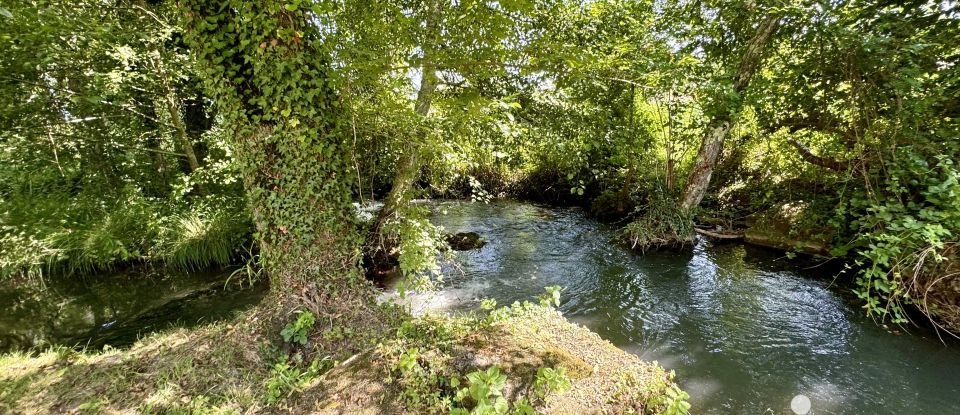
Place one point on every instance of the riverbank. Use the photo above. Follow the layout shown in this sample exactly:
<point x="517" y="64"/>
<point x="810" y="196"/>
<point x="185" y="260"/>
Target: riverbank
<point x="524" y="355"/>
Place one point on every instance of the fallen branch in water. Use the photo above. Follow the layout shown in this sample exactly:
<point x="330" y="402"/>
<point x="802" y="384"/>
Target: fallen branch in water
<point x="716" y="235"/>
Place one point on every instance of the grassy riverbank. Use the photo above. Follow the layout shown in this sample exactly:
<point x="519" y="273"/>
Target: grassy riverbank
<point x="524" y="357"/>
<point x="514" y="359"/>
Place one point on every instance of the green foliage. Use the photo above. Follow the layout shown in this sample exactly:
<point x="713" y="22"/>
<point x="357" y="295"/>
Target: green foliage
<point x="906" y="241"/>
<point x="285" y="379"/>
<point x="430" y="386"/>
<point x="94" y="406"/>
<point x="419" y="250"/>
<point x="424" y="363"/>
<point x="661" y="224"/>
<point x="251" y="268"/>
<point x="93" y="160"/>
<point x="89" y="235"/>
<point x="483" y="394"/>
<point x="664" y="396"/>
<point x="550" y="380"/>
<point x="200" y="238"/>
<point x="132" y="133"/>
<point x="552" y="296"/>
<point x="297" y="330"/>
<point x="488" y="304"/>
<point x="268" y="69"/>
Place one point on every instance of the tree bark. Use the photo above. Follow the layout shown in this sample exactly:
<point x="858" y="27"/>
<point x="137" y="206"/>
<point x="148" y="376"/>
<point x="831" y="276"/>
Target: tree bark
<point x="719" y="126"/>
<point x="172" y="103"/>
<point x="807" y="155"/>
<point x="381" y="243"/>
<point x="624" y="194"/>
<point x="408" y="167"/>
<point x="269" y="76"/>
<point x="707" y="156"/>
<point x="180" y="129"/>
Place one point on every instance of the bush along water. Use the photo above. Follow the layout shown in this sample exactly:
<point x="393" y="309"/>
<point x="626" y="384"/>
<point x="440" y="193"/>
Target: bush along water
<point x="907" y="242"/>
<point x="56" y="237"/>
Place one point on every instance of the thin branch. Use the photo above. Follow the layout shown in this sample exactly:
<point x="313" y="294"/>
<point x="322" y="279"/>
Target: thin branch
<point x="716" y="235"/>
<point x="810" y="157"/>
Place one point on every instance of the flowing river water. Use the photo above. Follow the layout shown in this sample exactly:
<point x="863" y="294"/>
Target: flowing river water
<point x="745" y="329"/>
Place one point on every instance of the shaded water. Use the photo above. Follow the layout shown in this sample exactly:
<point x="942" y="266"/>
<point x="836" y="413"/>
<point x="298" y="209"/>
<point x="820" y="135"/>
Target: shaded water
<point x="745" y="329"/>
<point x="114" y="309"/>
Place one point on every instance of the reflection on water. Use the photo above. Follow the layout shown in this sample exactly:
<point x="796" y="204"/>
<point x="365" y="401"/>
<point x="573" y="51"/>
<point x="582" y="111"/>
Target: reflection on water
<point x="745" y="329"/>
<point x="113" y="309"/>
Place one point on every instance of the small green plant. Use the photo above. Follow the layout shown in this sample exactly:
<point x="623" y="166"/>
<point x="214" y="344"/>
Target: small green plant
<point x="296" y="331"/>
<point x="551" y="298"/>
<point x="282" y="382"/>
<point x="523" y="407"/>
<point x="408" y="360"/>
<point x="94" y="406"/>
<point x="666" y="398"/>
<point x="477" y="192"/>
<point x="551" y="380"/>
<point x="494" y="315"/>
<point x="676" y="401"/>
<point x="484" y="391"/>
<point x="286" y="378"/>
<point x="661" y="224"/>
<point x="488" y="304"/>
<point x="252" y="269"/>
<point x="339" y="333"/>
<point x="422" y="373"/>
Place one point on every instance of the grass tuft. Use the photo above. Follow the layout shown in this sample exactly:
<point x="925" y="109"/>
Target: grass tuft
<point x="43" y="237"/>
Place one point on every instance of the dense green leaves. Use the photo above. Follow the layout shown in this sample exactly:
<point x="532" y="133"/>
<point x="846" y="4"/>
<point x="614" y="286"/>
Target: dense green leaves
<point x="129" y="124"/>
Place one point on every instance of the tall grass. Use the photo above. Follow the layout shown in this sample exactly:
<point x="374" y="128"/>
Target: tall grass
<point x="661" y="224"/>
<point x="41" y="237"/>
<point x="200" y="238"/>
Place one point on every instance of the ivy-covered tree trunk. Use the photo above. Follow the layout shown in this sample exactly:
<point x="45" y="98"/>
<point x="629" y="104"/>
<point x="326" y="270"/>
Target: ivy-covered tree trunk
<point x="268" y="70"/>
<point x="719" y="126"/>
<point x="382" y="241"/>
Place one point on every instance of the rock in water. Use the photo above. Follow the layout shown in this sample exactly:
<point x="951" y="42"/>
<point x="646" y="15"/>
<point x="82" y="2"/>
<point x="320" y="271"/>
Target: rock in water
<point x="465" y="241"/>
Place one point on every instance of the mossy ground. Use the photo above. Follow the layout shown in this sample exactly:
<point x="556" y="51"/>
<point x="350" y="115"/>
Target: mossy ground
<point x="226" y="368"/>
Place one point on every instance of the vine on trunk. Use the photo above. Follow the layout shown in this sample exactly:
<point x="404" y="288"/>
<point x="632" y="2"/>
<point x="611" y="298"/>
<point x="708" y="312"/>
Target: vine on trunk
<point x="268" y="68"/>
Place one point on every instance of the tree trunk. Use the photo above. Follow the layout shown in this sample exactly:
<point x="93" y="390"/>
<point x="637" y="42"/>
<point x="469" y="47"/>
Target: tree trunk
<point x="172" y="103"/>
<point x="268" y="74"/>
<point x="710" y="149"/>
<point x="719" y="126"/>
<point x="381" y="243"/>
<point x="624" y="194"/>
<point x="408" y="167"/>
<point x="668" y="151"/>
<point x="180" y="130"/>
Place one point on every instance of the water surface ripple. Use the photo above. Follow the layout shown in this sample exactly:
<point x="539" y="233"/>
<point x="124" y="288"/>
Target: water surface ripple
<point x="745" y="329"/>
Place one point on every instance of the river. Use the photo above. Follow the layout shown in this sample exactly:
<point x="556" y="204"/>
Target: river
<point x="115" y="308"/>
<point x="745" y="328"/>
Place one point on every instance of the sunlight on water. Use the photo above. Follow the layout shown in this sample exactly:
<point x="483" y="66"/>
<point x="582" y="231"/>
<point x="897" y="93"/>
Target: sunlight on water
<point x="746" y="329"/>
